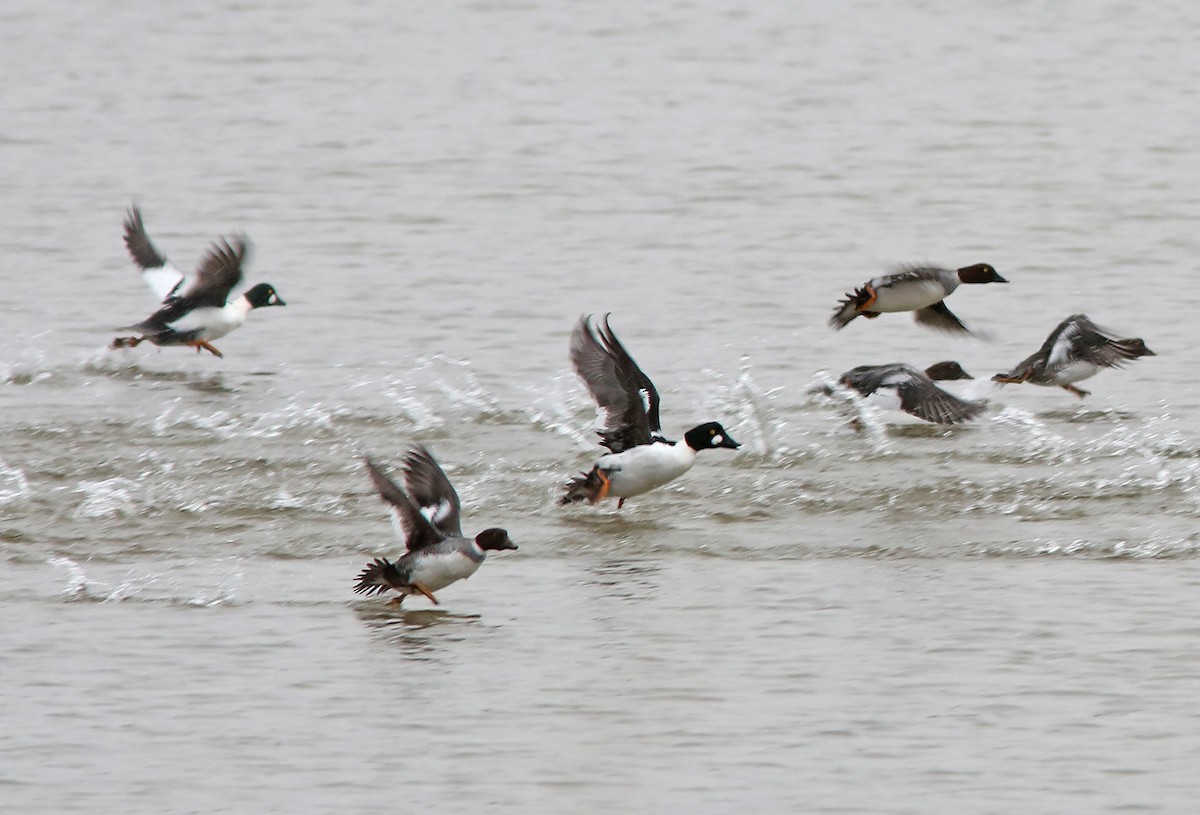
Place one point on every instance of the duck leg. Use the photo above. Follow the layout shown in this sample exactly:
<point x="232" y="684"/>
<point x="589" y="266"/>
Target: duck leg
<point x="427" y="593"/>
<point x="205" y="345"/>
<point x="620" y="503"/>
<point x="867" y="295"/>
<point x="605" y="486"/>
<point x="1080" y="392"/>
<point x="126" y="342"/>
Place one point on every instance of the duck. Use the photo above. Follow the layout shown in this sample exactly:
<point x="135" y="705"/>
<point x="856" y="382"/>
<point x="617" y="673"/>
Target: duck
<point x="196" y="308"/>
<point x="915" y="391"/>
<point x="426" y="516"/>
<point x="639" y="457"/>
<point x="920" y="289"/>
<point x="1076" y="349"/>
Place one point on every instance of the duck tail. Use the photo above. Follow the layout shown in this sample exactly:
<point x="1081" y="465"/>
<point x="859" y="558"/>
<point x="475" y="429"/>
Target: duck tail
<point x="848" y="308"/>
<point x="590" y="487"/>
<point x="377" y="577"/>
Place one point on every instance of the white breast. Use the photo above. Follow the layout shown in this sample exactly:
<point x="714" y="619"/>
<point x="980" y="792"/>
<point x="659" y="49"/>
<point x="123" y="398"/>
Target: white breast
<point x="1073" y="371"/>
<point x="645" y="467"/>
<point x="216" y="322"/>
<point x="908" y="295"/>
<point x="438" y="571"/>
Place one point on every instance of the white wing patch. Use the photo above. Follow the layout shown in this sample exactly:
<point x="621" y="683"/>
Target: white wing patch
<point x="436" y="513"/>
<point x="162" y="280"/>
<point x="1060" y="353"/>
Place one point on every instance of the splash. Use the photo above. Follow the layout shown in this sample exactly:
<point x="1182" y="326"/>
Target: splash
<point x="859" y="412"/>
<point x="111" y="498"/>
<point x="14" y="486"/>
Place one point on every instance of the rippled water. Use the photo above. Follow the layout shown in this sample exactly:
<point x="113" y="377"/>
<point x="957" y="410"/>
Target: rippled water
<point x="857" y="612"/>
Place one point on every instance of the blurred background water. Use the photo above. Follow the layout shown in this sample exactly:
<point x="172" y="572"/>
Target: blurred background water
<point x="902" y="618"/>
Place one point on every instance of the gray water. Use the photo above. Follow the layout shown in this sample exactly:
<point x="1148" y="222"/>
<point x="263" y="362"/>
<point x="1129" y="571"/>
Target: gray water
<point x="893" y="619"/>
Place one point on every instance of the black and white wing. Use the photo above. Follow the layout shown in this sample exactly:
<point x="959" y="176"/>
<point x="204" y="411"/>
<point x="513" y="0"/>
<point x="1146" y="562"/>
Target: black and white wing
<point x="217" y="274"/>
<point x="1078" y="339"/>
<point x="158" y="273"/>
<point x="209" y="287"/>
<point x="617" y="384"/>
<point x="411" y="526"/>
<point x="432" y="492"/>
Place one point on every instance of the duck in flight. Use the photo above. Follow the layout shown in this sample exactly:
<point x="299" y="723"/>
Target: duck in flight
<point x="639" y="458"/>
<point x="1076" y="349"/>
<point x="426" y="518"/>
<point x="914" y="392"/>
<point x="920" y="289"/>
<point x="195" y="308"/>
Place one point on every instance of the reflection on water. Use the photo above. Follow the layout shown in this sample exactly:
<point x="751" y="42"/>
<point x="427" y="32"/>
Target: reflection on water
<point x="421" y="633"/>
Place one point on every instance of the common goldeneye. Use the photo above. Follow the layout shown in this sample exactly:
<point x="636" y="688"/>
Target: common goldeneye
<point x="915" y="391"/>
<point x="194" y="310"/>
<point x="921" y="289"/>
<point x="427" y="520"/>
<point x="1075" y="350"/>
<point x="639" y="458"/>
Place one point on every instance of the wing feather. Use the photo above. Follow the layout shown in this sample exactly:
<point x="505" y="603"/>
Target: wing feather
<point x="414" y="528"/>
<point x="157" y="272"/>
<point x="939" y="317"/>
<point x="432" y="491"/>
<point x="616" y="383"/>
<point x="920" y="397"/>
<point x="219" y="271"/>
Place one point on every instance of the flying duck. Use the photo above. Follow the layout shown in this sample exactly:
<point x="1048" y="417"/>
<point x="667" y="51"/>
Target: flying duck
<point x="639" y="458"/>
<point x="426" y="518"/>
<point x="1076" y="349"/>
<point x="920" y="289"/>
<point x="915" y="391"/>
<point x="194" y="308"/>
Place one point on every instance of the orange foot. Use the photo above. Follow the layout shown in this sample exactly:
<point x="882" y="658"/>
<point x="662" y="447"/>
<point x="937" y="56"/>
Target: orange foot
<point x="872" y="296"/>
<point x="1013" y="380"/>
<point x="427" y="593"/>
<point x="605" y="486"/>
<point x="204" y="344"/>
<point x="126" y="342"/>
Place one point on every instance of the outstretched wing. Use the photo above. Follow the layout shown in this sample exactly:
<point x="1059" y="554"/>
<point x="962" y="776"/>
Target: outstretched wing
<point x="217" y="274"/>
<point x="920" y="397"/>
<point x="432" y="491"/>
<point x="939" y="317"/>
<point x="157" y="272"/>
<point x="1078" y="338"/>
<point x="220" y="271"/>
<point x="412" y="527"/>
<point x="617" y="384"/>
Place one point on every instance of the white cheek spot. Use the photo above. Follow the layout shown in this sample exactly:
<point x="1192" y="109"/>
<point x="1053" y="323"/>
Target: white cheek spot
<point x="717" y="439"/>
